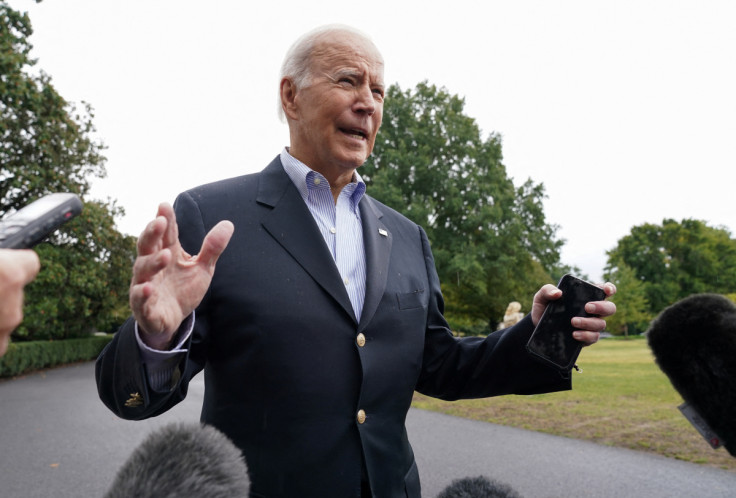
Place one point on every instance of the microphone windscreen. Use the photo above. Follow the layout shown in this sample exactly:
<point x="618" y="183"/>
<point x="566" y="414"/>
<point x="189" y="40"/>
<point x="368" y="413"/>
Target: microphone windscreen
<point x="694" y="343"/>
<point x="183" y="460"/>
<point x="478" y="487"/>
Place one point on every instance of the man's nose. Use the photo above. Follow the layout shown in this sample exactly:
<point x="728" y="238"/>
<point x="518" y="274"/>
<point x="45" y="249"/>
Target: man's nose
<point x="365" y="100"/>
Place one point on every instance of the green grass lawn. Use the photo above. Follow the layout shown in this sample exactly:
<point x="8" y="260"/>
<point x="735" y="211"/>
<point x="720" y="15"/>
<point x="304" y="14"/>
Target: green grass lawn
<point x="620" y="399"/>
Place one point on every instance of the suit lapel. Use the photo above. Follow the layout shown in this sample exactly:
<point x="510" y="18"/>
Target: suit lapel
<point x="377" y="241"/>
<point x="292" y="225"/>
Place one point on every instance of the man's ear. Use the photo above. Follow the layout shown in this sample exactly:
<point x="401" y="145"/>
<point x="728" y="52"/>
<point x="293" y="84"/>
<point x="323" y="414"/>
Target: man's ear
<point x="288" y="98"/>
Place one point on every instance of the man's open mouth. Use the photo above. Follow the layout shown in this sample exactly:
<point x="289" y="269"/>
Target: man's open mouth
<point x="355" y="133"/>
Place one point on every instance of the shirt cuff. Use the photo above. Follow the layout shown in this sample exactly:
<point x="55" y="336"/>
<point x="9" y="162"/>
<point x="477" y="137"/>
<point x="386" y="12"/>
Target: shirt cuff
<point x="161" y="364"/>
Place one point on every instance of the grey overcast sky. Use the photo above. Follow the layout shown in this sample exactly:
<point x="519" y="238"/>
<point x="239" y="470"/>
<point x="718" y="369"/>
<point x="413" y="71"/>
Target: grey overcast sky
<point x="624" y="110"/>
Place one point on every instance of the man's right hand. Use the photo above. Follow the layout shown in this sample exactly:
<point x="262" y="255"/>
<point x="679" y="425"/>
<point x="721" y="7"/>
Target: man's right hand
<point x="168" y="283"/>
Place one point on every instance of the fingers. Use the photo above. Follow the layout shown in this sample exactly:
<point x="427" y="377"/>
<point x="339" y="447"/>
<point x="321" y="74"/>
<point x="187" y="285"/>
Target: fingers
<point x="171" y="233"/>
<point x="600" y="308"/>
<point x="17" y="268"/>
<point x="138" y="295"/>
<point x="603" y="308"/>
<point x="156" y="331"/>
<point x="155" y="245"/>
<point x="151" y="239"/>
<point x="586" y="337"/>
<point x="146" y="267"/>
<point x="609" y="288"/>
<point x="215" y="243"/>
<point x="167" y="282"/>
<point x="19" y="265"/>
<point x="589" y="328"/>
<point x="159" y="233"/>
<point x="27" y="262"/>
<point x="593" y="324"/>
<point x="547" y="293"/>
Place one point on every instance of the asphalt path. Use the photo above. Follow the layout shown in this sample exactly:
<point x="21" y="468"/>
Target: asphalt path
<point x="58" y="440"/>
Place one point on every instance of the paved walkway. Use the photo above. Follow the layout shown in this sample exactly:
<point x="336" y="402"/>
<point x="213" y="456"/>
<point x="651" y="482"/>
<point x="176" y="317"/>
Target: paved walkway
<point x="57" y="440"/>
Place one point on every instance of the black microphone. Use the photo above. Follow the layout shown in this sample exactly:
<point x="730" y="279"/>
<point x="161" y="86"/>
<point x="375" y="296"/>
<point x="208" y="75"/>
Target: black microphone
<point x="183" y="460"/>
<point x="694" y="343"/>
<point x="478" y="487"/>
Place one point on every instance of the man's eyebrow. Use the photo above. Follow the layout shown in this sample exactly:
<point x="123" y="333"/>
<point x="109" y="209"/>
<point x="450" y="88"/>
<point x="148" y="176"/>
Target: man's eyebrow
<point x="357" y="73"/>
<point x="339" y="73"/>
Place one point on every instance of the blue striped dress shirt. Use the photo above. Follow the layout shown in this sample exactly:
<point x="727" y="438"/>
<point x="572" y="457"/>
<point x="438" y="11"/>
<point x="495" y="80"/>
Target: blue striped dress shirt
<point x="340" y="223"/>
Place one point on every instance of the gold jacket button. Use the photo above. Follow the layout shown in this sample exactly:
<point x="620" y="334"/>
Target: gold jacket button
<point x="361" y="416"/>
<point x="360" y="340"/>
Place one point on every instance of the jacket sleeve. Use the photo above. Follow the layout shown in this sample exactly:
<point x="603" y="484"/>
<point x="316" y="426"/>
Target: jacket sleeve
<point x="122" y="379"/>
<point x="475" y="367"/>
<point x="121" y="372"/>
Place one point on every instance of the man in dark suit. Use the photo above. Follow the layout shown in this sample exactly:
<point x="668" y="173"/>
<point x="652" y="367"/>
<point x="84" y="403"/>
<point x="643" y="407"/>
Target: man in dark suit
<point x="324" y="313"/>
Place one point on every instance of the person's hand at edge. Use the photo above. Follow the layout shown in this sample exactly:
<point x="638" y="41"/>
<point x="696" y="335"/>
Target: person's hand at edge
<point x="17" y="268"/>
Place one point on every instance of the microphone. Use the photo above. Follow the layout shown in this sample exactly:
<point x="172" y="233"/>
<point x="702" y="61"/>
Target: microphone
<point x="478" y="487"/>
<point x="694" y="343"/>
<point x="183" y="460"/>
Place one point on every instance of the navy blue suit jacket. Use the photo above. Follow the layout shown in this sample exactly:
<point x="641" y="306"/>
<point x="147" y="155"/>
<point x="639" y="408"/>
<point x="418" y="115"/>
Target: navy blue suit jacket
<point x="276" y="335"/>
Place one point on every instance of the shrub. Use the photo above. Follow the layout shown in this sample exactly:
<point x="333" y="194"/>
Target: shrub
<point x="23" y="357"/>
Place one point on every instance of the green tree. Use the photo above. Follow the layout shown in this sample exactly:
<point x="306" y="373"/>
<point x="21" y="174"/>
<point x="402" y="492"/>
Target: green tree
<point x="490" y="239"/>
<point x="47" y="145"/>
<point x="45" y="142"/>
<point x="674" y="260"/>
<point x="632" y="308"/>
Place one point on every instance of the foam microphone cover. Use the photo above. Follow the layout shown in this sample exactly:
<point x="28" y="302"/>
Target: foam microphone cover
<point x="694" y="343"/>
<point x="478" y="487"/>
<point x="183" y="460"/>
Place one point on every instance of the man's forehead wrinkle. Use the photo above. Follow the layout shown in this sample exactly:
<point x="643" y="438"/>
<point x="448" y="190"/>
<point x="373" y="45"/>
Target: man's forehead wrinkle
<point x="353" y="47"/>
<point x="336" y="67"/>
<point x="334" y="57"/>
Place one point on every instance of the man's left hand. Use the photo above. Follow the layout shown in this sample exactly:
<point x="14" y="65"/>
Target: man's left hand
<point x="587" y="329"/>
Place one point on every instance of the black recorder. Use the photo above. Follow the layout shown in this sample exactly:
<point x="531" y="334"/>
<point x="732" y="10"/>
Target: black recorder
<point x="552" y="341"/>
<point x="31" y="224"/>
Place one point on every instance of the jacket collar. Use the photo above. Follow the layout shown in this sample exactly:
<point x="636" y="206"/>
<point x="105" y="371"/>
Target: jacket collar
<point x="292" y="225"/>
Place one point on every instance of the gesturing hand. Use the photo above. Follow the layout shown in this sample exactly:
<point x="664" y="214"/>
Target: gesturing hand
<point x="168" y="283"/>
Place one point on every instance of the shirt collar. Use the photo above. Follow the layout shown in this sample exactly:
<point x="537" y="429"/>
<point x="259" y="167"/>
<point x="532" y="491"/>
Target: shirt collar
<point x="299" y="172"/>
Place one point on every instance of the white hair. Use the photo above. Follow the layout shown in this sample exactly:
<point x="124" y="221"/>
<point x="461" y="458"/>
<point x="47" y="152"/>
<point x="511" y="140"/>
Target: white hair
<point x="297" y="63"/>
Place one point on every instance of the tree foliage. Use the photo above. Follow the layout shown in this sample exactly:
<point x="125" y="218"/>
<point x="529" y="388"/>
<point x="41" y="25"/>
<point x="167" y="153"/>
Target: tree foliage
<point x="632" y="307"/>
<point x="490" y="239"/>
<point x="47" y="145"/>
<point x="674" y="260"/>
<point x="45" y="142"/>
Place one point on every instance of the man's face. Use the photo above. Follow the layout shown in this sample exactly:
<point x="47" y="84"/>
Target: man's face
<point x="337" y="115"/>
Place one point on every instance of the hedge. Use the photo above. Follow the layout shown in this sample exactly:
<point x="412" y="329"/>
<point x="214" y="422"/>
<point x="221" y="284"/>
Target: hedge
<point x="23" y="357"/>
